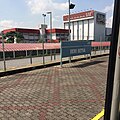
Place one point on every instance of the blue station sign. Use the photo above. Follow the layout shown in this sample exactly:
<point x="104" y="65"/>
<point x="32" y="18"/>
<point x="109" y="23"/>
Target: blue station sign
<point x="74" y="48"/>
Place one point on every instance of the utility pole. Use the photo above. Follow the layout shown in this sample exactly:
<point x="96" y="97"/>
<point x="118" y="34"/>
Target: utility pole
<point x="69" y="21"/>
<point x="71" y="6"/>
<point x="50" y="13"/>
<point x="43" y="38"/>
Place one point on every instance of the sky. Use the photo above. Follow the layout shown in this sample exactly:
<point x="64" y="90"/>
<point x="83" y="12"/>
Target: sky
<point x="28" y="13"/>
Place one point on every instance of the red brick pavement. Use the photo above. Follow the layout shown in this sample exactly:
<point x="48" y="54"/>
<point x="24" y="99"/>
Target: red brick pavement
<point x="74" y="92"/>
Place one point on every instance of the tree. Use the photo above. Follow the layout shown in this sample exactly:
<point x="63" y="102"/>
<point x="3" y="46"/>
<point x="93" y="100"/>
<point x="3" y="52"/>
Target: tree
<point x="11" y="36"/>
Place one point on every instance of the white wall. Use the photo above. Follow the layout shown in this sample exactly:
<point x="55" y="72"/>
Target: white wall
<point x="75" y="30"/>
<point x="80" y="30"/>
<point x="85" y="29"/>
<point x="72" y="29"/>
<point x="91" y="29"/>
<point x="54" y="36"/>
<point x="66" y="26"/>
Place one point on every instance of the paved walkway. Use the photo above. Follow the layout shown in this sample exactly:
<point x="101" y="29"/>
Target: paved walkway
<point x="74" y="92"/>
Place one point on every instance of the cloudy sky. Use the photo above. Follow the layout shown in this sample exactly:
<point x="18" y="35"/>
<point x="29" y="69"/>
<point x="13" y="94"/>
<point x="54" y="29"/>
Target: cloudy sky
<point x="28" y="13"/>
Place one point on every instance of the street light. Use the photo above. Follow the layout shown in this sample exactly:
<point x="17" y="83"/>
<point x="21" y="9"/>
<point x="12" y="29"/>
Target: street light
<point x="50" y="13"/>
<point x="43" y="38"/>
<point x="44" y="15"/>
<point x="71" y="6"/>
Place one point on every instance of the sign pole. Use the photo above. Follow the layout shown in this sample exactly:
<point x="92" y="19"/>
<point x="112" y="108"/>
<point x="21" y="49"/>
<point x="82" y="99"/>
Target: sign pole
<point x="69" y="29"/>
<point x="30" y="57"/>
<point x="61" y="53"/>
<point x="90" y="56"/>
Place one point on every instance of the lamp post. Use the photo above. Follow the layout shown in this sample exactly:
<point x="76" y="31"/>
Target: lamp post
<point x="44" y="15"/>
<point x="69" y="22"/>
<point x="71" y="6"/>
<point x="50" y="13"/>
<point x="43" y="38"/>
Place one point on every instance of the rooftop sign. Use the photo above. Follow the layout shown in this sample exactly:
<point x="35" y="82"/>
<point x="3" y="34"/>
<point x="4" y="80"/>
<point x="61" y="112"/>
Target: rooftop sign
<point x="79" y="15"/>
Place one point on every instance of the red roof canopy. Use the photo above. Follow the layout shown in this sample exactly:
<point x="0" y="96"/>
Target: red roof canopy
<point x="22" y="30"/>
<point x="38" y="46"/>
<point x="29" y="46"/>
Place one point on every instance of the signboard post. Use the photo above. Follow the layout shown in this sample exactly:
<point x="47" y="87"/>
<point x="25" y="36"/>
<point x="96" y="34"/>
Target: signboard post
<point x="42" y="32"/>
<point x="74" y="48"/>
<point x="61" y="53"/>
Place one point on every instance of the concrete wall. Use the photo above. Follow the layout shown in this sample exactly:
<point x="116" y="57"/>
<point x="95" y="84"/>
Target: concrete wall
<point x="99" y="27"/>
<point x="108" y="31"/>
<point x="81" y="29"/>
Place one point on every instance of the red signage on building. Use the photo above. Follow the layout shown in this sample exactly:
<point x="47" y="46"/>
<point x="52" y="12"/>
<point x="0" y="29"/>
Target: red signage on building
<point x="79" y="15"/>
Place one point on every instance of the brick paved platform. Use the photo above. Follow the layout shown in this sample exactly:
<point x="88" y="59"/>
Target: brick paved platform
<point x="74" y="92"/>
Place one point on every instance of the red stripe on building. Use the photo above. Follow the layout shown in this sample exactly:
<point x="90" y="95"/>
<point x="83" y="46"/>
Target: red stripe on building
<point x="79" y="15"/>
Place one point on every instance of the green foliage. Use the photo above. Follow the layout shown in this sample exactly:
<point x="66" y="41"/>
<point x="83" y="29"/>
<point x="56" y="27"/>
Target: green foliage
<point x="10" y="36"/>
<point x="40" y="40"/>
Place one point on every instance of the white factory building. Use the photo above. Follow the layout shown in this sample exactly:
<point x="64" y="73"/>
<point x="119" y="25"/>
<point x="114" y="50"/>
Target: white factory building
<point x="88" y="25"/>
